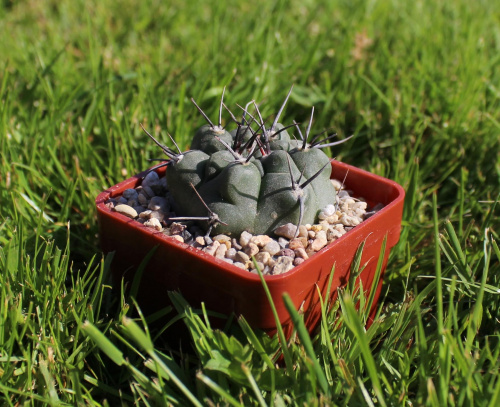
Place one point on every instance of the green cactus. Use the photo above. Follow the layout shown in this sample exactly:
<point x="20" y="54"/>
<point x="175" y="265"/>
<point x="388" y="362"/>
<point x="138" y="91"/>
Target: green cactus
<point x="250" y="179"/>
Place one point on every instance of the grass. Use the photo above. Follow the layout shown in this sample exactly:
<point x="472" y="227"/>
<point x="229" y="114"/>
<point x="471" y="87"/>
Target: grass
<point x="418" y="85"/>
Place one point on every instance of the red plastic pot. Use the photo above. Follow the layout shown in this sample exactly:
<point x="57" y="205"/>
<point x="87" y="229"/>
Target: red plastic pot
<point x="225" y="288"/>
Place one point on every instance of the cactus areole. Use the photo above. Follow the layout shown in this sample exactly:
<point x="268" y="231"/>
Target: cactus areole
<point x="253" y="178"/>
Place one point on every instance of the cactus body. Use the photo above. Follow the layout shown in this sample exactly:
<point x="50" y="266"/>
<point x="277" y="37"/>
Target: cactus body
<point x="284" y="181"/>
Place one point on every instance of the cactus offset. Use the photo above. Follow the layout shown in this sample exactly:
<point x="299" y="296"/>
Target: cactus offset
<point x="250" y="179"/>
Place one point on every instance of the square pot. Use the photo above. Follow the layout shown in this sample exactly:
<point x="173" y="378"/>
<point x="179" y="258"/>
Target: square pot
<point x="226" y="288"/>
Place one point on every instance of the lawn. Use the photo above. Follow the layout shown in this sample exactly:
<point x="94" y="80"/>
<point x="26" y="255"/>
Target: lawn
<point x="416" y="83"/>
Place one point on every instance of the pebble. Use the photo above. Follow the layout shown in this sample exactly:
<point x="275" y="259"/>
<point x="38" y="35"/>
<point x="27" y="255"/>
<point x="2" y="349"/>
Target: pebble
<point x="261" y="240"/>
<point x="302" y="231"/>
<point x="151" y="204"/>
<point x="132" y="202"/>
<point x="240" y="265"/>
<point x="236" y="244"/>
<point x="259" y="265"/>
<point x="301" y="252"/>
<point x="149" y="193"/>
<point x="211" y="249"/>
<point x="283" y="264"/>
<point x="273" y="247"/>
<point x="288" y="230"/>
<point x="154" y="224"/>
<point x="319" y="242"/>
<point x="263" y="257"/>
<point x="304" y="240"/>
<point x="176" y="228"/>
<point x="145" y="214"/>
<point x="251" y="249"/>
<point x="231" y="253"/>
<point x="150" y="179"/>
<point x="220" y="253"/>
<point x="336" y="184"/>
<point x="130" y="193"/>
<point x="178" y="238"/>
<point x="241" y="257"/>
<point x="298" y="260"/>
<point x="222" y="239"/>
<point x="296" y="244"/>
<point x="283" y="242"/>
<point x="332" y="234"/>
<point x="287" y="253"/>
<point x="347" y="220"/>
<point x="223" y="242"/>
<point x="245" y="238"/>
<point x="126" y="210"/>
<point x="342" y="194"/>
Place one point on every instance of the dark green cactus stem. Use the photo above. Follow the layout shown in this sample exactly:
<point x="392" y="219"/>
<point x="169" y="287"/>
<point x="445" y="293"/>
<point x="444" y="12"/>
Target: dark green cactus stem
<point x="254" y="178"/>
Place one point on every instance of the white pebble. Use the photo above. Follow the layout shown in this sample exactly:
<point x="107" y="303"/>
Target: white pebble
<point x="260" y="240"/>
<point x="336" y="184"/>
<point x="220" y="253"/>
<point x="222" y="239"/>
<point x="211" y="249"/>
<point x="245" y="238"/>
<point x="329" y="210"/>
<point x="231" y="253"/>
<point x="153" y="223"/>
<point x="347" y="220"/>
<point x="145" y="214"/>
<point x="240" y="265"/>
<point x="333" y="234"/>
<point x="272" y="247"/>
<point x="126" y="210"/>
<point x="263" y="257"/>
<point x="178" y="238"/>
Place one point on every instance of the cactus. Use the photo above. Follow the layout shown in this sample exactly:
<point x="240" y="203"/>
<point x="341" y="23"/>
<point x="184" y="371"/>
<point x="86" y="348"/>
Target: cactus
<point x="253" y="178"/>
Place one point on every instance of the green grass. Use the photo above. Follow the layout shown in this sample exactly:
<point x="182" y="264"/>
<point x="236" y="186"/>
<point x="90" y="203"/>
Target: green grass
<point x="418" y="85"/>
